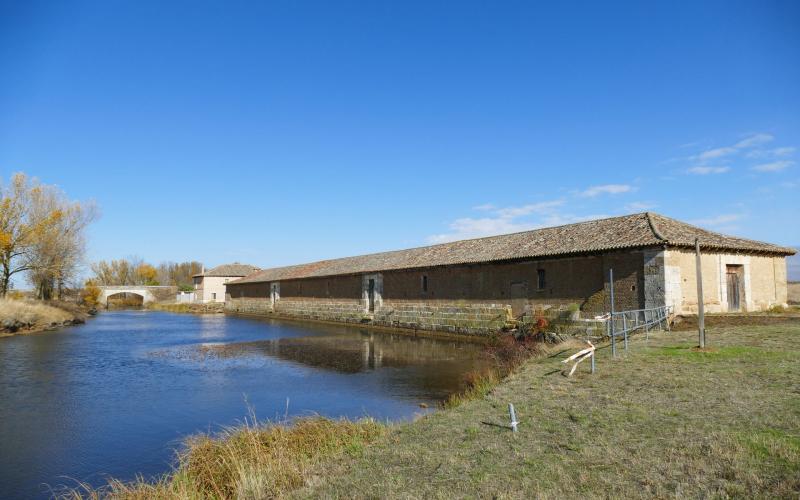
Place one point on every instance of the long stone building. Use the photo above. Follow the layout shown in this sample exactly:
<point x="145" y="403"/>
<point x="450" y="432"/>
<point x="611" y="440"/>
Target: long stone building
<point x="476" y="286"/>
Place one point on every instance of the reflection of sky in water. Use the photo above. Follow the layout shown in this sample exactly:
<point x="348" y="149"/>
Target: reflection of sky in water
<point x="212" y="326"/>
<point x="117" y="394"/>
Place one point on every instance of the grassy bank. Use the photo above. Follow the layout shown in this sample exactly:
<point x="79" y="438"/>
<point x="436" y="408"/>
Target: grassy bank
<point x="209" y="308"/>
<point x="19" y="316"/>
<point x="250" y="461"/>
<point x="664" y="419"/>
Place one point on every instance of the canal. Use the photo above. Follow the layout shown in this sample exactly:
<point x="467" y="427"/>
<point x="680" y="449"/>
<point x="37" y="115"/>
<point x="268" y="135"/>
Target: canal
<point x="116" y="396"/>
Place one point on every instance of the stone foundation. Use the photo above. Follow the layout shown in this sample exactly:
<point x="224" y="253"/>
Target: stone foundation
<point x="324" y="310"/>
<point x="248" y="305"/>
<point x="467" y="318"/>
<point x="470" y="319"/>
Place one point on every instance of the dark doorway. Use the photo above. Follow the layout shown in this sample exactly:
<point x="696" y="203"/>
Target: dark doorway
<point x="735" y="281"/>
<point x="371" y="295"/>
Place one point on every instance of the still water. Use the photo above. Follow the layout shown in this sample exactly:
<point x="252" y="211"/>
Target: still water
<point x="116" y="396"/>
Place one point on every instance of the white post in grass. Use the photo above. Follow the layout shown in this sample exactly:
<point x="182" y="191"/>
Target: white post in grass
<point x="513" y="417"/>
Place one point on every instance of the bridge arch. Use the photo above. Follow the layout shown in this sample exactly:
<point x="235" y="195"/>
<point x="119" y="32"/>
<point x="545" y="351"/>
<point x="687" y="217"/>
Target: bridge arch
<point x="148" y="293"/>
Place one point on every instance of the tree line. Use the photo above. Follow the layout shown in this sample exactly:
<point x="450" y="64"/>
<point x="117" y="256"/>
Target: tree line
<point x="135" y="271"/>
<point x="42" y="236"/>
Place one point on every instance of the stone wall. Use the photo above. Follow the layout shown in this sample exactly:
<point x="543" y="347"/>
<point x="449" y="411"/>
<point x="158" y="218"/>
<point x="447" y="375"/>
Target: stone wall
<point x="466" y="318"/>
<point x="348" y="311"/>
<point x="467" y="299"/>
<point x="655" y="287"/>
<point x="764" y="281"/>
<point x="248" y="305"/>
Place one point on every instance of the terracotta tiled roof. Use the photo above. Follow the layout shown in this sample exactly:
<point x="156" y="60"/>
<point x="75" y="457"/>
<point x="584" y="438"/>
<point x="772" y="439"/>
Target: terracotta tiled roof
<point x="628" y="231"/>
<point x="232" y="270"/>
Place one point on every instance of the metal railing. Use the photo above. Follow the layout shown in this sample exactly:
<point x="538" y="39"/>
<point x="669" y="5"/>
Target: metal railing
<point x="625" y="323"/>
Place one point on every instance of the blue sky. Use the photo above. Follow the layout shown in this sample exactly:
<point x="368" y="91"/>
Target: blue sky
<point x="282" y="132"/>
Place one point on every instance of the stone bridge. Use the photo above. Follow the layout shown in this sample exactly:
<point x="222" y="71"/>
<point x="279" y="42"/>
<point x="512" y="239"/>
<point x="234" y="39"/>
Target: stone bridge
<point x="147" y="293"/>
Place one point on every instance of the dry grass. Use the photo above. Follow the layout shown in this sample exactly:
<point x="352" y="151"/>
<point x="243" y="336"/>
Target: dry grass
<point x="249" y="461"/>
<point x="33" y="315"/>
<point x="507" y="355"/>
<point x="191" y="308"/>
<point x="662" y="420"/>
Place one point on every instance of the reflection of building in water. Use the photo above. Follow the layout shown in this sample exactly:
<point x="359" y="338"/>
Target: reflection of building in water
<point x="357" y="352"/>
<point x="372" y="356"/>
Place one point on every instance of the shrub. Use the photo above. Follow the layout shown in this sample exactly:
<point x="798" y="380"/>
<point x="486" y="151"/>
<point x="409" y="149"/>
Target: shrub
<point x="90" y="295"/>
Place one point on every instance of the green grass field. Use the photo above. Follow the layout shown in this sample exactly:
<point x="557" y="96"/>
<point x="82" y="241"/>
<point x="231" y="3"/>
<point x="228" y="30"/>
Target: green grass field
<point x="664" y="419"/>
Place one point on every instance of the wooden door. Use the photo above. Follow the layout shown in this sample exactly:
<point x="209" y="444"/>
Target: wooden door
<point x="734" y="281"/>
<point x="371" y="295"/>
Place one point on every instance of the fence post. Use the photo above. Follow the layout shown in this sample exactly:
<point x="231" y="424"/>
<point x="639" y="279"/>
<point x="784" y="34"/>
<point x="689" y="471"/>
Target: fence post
<point x="701" y="323"/>
<point x="611" y="316"/>
<point x="625" y="329"/>
<point x="666" y="319"/>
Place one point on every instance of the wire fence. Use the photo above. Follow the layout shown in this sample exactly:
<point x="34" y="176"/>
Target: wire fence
<point x="623" y="324"/>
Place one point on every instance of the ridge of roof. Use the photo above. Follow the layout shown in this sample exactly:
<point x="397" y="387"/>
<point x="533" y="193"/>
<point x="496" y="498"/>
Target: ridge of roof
<point x="653" y="226"/>
<point x="234" y="269"/>
<point x="639" y="230"/>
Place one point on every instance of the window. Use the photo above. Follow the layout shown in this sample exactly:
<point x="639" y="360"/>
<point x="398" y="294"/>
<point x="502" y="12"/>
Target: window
<point x="213" y="295"/>
<point x="424" y="283"/>
<point x="540" y="279"/>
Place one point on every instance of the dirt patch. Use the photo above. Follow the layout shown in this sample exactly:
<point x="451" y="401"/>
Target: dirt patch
<point x="683" y="323"/>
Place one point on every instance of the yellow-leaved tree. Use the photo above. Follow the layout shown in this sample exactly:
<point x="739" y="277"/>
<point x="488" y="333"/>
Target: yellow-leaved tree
<point x="42" y="233"/>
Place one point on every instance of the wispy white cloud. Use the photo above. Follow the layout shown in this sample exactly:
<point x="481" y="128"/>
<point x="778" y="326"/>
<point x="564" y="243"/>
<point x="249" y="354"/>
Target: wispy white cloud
<point x="761" y="154"/>
<point x="705" y="170"/>
<point x="713" y="154"/>
<point x="749" y="142"/>
<point x="754" y="140"/>
<point x="607" y="189"/>
<point x="485" y="207"/>
<point x="638" y="206"/>
<point x="509" y="220"/>
<point x="775" y="166"/>
<point x="541" y="207"/>
<point x="467" y="227"/>
<point x="724" y="223"/>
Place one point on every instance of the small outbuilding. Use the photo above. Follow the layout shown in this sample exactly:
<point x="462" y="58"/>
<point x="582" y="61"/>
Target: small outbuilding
<point x="477" y="285"/>
<point x="209" y="286"/>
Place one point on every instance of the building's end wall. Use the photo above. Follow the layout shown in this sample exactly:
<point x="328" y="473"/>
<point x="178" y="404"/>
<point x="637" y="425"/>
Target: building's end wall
<point x="212" y="288"/>
<point x="764" y="281"/>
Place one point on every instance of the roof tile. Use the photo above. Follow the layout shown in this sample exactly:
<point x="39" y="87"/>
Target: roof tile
<point x="629" y="231"/>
